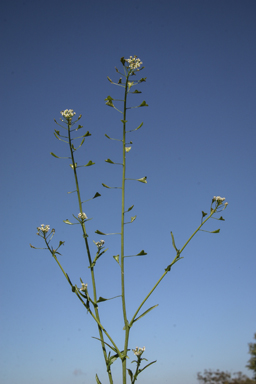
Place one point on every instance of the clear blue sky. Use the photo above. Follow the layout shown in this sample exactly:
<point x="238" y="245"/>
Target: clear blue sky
<point x="198" y="140"/>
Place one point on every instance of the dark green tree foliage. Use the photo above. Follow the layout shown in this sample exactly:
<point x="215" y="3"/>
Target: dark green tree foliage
<point x="252" y="361"/>
<point x="221" y="377"/>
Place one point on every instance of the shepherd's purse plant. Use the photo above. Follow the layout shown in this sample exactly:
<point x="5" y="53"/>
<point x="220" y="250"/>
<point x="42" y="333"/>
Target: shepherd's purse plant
<point x="87" y="293"/>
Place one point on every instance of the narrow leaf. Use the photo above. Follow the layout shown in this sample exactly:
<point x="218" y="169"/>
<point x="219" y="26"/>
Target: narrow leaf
<point x="217" y="231"/>
<point x="112" y="359"/>
<point x="110" y="138"/>
<point x="152" y="362"/>
<point x="111" y="298"/>
<point x="144" y="313"/>
<point x="142" y="253"/>
<point x="55" y="134"/>
<point x="113" y="349"/>
<point x="54" y="155"/>
<point x="81" y="143"/>
<point x="130" y="374"/>
<point x="138" y="127"/>
<point x="68" y="222"/>
<point x="106" y="186"/>
<point x="173" y="243"/>
<point x="99" y="232"/>
<point x="97" y="379"/>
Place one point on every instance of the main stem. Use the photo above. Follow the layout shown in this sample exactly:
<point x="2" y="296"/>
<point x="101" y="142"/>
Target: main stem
<point x="89" y="257"/>
<point x="126" y="325"/>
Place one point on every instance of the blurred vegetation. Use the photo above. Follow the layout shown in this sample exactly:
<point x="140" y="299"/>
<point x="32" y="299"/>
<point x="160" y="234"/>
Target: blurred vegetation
<point x="252" y="361"/>
<point x="221" y="377"/>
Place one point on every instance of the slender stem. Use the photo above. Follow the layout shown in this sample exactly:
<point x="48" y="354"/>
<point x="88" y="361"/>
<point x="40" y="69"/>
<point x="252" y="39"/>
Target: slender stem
<point x="122" y="239"/>
<point x="89" y="256"/>
<point x="177" y="257"/>
<point x="88" y="309"/>
<point x="137" y="369"/>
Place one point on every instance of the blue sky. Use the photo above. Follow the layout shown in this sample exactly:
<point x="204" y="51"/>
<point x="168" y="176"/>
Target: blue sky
<point x="198" y="140"/>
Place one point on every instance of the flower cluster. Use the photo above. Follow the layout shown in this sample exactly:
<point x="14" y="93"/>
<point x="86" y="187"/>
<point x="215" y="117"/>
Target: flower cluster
<point x="100" y="243"/>
<point x="84" y="287"/>
<point x="134" y="62"/>
<point x="138" y="351"/>
<point x="44" y="228"/>
<point x="82" y="216"/>
<point x="68" y="113"/>
<point x="219" y="200"/>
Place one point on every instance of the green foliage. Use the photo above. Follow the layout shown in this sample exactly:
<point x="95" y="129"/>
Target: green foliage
<point x="97" y="379"/>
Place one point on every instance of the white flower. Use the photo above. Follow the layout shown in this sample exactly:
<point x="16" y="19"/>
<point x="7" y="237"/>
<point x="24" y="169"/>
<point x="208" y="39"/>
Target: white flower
<point x="44" y="228"/>
<point x="84" y="287"/>
<point x="100" y="243"/>
<point x="68" y="113"/>
<point x="138" y="351"/>
<point x="134" y="62"/>
<point x="219" y="202"/>
<point x="219" y="199"/>
<point x="82" y="216"/>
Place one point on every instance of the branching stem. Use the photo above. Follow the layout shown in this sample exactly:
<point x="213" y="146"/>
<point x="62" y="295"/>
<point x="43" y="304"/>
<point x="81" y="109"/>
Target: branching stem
<point x="97" y="316"/>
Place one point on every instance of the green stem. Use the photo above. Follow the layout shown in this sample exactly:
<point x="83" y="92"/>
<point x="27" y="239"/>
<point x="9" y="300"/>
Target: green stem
<point x="88" y="309"/>
<point x="137" y="370"/>
<point x="126" y="325"/>
<point x="177" y="257"/>
<point x="89" y="255"/>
